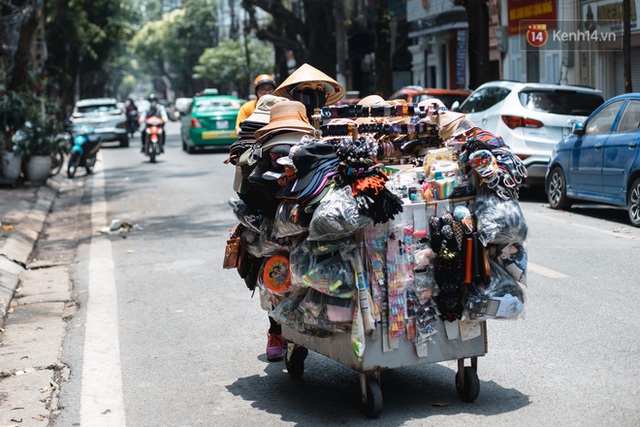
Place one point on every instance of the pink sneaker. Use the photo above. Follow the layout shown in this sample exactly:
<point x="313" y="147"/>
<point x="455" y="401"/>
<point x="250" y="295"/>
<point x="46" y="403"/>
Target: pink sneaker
<point x="276" y="346"/>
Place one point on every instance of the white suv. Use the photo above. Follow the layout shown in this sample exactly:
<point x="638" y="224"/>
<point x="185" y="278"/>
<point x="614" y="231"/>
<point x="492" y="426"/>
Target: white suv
<point x="104" y="116"/>
<point x="530" y="117"/>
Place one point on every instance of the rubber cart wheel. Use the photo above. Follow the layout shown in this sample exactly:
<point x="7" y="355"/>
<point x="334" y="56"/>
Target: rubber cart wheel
<point x="373" y="406"/>
<point x="294" y="361"/>
<point x="469" y="388"/>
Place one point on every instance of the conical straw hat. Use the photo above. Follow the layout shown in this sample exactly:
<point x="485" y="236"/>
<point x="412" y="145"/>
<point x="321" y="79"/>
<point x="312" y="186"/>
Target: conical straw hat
<point x="307" y="73"/>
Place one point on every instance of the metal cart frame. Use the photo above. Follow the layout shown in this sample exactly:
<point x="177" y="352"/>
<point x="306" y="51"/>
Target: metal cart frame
<point x="338" y="347"/>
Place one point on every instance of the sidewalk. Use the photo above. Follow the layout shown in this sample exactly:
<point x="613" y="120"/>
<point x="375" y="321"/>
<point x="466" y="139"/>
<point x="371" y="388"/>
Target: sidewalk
<point x="35" y="299"/>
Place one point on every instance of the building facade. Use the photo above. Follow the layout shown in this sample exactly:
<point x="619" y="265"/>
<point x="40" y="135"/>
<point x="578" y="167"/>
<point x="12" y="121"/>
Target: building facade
<point x="576" y="42"/>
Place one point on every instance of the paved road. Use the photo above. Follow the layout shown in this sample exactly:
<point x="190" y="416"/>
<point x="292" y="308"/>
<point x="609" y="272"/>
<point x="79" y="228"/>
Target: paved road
<point x="176" y="340"/>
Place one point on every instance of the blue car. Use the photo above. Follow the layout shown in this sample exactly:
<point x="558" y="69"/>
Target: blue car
<point x="600" y="160"/>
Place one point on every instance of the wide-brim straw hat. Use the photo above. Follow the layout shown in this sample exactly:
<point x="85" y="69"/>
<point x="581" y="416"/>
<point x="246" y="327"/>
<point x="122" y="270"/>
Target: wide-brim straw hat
<point x="285" y="116"/>
<point x="262" y="111"/>
<point x="307" y="73"/>
<point x="448" y="122"/>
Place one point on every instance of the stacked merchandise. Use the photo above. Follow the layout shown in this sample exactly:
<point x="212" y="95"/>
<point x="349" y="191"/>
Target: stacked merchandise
<point x="395" y="217"/>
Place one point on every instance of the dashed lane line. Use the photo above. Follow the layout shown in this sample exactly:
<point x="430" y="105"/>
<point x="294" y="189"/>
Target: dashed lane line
<point x="544" y="271"/>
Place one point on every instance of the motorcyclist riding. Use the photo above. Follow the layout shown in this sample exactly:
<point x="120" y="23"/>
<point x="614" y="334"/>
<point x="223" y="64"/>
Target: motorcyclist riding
<point x="155" y="109"/>
<point x="132" y="116"/>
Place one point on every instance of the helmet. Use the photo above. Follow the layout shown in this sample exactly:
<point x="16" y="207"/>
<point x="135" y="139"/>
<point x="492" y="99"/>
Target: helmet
<point x="262" y="79"/>
<point x="153" y="97"/>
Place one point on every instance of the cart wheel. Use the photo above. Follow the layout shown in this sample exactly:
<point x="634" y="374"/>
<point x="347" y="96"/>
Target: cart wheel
<point x="373" y="406"/>
<point x="294" y="361"/>
<point x="468" y="384"/>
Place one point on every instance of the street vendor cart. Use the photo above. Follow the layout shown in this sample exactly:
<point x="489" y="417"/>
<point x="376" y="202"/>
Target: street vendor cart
<point x="394" y="242"/>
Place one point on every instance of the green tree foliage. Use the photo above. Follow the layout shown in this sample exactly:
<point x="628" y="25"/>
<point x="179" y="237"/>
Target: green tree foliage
<point x="226" y="68"/>
<point x="168" y="49"/>
<point x="84" y="38"/>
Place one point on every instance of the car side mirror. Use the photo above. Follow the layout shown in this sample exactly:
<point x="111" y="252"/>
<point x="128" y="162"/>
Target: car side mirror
<point x="455" y="105"/>
<point x="578" y="128"/>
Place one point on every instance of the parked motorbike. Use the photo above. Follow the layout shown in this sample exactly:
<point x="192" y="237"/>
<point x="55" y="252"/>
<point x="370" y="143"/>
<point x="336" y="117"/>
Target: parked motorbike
<point x="132" y="122"/>
<point x="84" y="150"/>
<point x="153" y="137"/>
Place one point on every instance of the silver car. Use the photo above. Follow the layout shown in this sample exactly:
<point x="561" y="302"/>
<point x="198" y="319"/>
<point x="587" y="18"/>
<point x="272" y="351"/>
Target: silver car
<point x="104" y="116"/>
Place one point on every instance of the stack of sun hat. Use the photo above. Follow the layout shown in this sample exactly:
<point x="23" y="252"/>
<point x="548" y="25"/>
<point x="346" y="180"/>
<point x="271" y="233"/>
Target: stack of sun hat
<point x="241" y="153"/>
<point x="286" y="116"/>
<point x="287" y="127"/>
<point x="258" y="119"/>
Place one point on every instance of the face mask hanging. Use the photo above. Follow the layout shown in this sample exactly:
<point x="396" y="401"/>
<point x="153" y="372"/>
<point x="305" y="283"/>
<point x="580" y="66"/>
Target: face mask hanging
<point x="311" y="99"/>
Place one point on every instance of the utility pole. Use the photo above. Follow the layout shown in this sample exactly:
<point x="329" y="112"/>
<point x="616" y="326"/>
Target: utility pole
<point x="626" y="45"/>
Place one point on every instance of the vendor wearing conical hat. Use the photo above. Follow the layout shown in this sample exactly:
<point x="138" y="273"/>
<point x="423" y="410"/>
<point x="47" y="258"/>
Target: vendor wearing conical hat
<point x="312" y="87"/>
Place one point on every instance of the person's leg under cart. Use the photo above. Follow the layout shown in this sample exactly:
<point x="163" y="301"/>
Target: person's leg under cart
<point x="276" y="345"/>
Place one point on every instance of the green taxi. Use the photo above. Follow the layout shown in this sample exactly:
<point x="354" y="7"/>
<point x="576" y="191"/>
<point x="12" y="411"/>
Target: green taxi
<point x="210" y="121"/>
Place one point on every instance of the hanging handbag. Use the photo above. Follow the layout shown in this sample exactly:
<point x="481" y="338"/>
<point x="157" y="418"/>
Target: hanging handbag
<point x="234" y="251"/>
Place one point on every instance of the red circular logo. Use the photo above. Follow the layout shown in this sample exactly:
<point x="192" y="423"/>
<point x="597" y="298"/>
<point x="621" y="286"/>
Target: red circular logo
<point x="537" y="35"/>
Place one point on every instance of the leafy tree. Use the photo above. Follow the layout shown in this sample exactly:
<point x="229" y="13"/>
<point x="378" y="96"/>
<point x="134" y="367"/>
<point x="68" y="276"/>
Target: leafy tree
<point x="191" y="36"/>
<point x="169" y="49"/>
<point x="84" y="38"/>
<point x="226" y="68"/>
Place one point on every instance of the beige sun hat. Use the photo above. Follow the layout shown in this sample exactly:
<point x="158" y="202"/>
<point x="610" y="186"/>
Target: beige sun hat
<point x="448" y="121"/>
<point x="285" y="116"/>
<point x="307" y="73"/>
<point x="371" y="100"/>
<point x="263" y="108"/>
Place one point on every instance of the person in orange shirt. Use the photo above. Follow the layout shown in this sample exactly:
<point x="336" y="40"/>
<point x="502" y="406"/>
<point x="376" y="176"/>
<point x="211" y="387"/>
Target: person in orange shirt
<point x="263" y="84"/>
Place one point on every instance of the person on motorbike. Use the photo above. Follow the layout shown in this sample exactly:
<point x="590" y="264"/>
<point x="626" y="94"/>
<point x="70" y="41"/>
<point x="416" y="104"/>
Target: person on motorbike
<point x="263" y="84"/>
<point x="155" y="110"/>
<point x="131" y="110"/>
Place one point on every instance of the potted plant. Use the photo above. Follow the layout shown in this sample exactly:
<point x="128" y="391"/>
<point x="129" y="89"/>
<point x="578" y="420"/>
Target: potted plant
<point x="13" y="113"/>
<point x="36" y="141"/>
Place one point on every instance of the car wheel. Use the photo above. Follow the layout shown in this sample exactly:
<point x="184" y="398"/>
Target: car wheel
<point x="191" y="149"/>
<point x="633" y="204"/>
<point x="557" y="189"/>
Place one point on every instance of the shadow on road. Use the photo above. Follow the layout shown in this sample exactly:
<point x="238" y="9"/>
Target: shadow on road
<point x="329" y="393"/>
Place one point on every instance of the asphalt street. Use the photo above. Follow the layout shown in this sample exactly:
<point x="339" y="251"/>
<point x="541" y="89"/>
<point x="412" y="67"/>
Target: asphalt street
<point x="192" y="344"/>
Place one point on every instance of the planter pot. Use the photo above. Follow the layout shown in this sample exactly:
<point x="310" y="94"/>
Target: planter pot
<point x="11" y="166"/>
<point x="38" y="169"/>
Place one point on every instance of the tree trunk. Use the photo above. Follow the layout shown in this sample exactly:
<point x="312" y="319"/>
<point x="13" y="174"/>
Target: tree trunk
<point x="22" y="60"/>
<point x="478" y="42"/>
<point x="382" y="37"/>
<point x="308" y="32"/>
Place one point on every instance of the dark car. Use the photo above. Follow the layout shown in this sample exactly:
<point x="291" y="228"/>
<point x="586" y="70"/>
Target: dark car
<point x="210" y="121"/>
<point x="599" y="161"/>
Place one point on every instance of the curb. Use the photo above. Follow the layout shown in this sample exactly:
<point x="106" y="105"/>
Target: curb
<point x="14" y="253"/>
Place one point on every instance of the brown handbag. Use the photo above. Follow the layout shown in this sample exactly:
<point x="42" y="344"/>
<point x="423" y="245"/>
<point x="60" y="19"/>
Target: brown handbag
<point x="234" y="251"/>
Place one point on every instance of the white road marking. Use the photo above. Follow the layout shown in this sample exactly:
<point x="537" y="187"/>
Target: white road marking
<point x="101" y="401"/>
<point x="619" y="231"/>
<point x="544" y="271"/>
